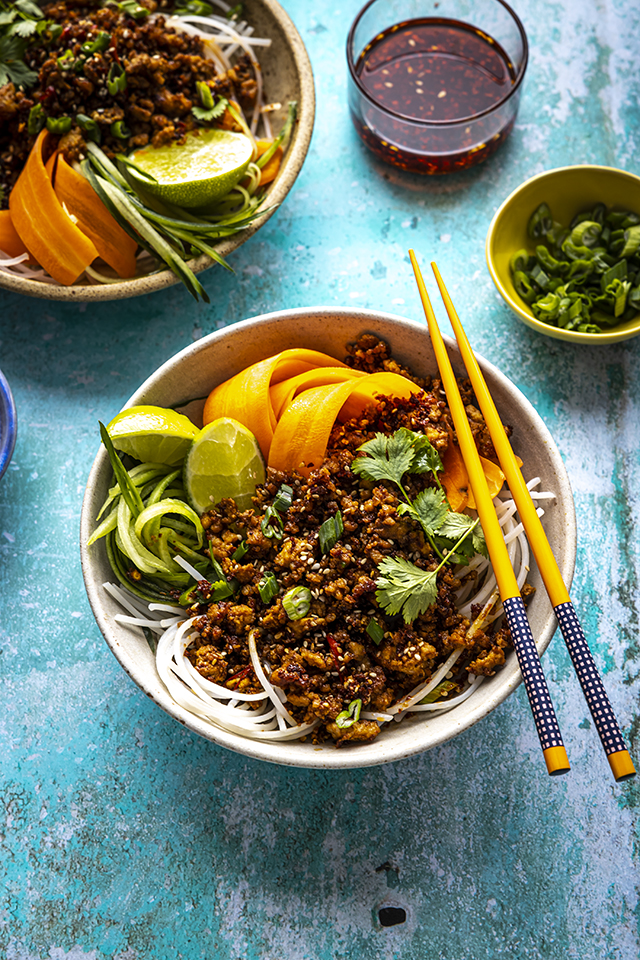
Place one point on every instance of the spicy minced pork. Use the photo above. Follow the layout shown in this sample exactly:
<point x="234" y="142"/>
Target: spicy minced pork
<point x="326" y="659"/>
<point x="161" y="65"/>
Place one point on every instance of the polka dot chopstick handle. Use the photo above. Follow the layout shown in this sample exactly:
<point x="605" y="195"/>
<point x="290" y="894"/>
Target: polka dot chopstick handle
<point x="544" y="715"/>
<point x="595" y="694"/>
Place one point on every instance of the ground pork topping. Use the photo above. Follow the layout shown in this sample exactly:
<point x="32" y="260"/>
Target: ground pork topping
<point x="328" y="658"/>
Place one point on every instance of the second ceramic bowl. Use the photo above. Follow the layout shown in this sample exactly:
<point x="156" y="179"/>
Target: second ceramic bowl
<point x="567" y="191"/>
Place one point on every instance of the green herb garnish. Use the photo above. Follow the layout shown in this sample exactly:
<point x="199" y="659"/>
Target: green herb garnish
<point x="284" y="498"/>
<point x="209" y="109"/>
<point x="296" y="602"/>
<point x="584" y="277"/>
<point x="375" y="632"/>
<point x="349" y="716"/>
<point x="390" y="458"/>
<point x="272" y="525"/>
<point x="269" y="589"/>
<point x="20" y="22"/>
<point x="330" y="532"/>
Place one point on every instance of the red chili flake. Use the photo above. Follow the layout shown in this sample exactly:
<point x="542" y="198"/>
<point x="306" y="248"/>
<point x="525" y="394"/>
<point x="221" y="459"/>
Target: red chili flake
<point x="240" y="675"/>
<point x="335" y="652"/>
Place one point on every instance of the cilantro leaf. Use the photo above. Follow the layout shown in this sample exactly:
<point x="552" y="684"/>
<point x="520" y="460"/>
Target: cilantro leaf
<point x="402" y="586"/>
<point x="29" y="9"/>
<point x="426" y="458"/>
<point x="385" y="458"/>
<point x="455" y="526"/>
<point x="429" y="509"/>
<point x="24" y="28"/>
<point x="205" y="114"/>
<point x="479" y="542"/>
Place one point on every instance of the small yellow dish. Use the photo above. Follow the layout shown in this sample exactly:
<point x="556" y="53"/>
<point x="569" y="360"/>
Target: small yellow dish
<point x="567" y="191"/>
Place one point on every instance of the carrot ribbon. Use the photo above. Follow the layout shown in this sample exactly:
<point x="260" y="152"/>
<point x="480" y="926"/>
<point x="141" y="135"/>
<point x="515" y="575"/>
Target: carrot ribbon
<point x="291" y="402"/>
<point x="48" y="232"/>
<point x="115" y="246"/>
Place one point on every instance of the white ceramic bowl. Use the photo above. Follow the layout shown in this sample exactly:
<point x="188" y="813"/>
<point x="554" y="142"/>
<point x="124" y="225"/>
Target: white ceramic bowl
<point x="287" y="75"/>
<point x="194" y="372"/>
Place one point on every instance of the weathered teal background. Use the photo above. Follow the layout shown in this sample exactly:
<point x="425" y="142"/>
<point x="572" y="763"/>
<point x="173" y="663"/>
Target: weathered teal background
<point x="122" y="835"/>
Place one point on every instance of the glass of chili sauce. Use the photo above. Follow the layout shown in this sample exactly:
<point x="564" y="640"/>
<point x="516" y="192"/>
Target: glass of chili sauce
<point x="434" y="86"/>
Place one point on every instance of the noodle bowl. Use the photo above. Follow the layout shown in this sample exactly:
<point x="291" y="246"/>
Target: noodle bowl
<point x="214" y="715"/>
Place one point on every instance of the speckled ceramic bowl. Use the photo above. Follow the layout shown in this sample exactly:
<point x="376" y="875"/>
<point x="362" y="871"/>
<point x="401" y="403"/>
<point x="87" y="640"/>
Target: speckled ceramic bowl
<point x="567" y="191"/>
<point x="287" y="76"/>
<point x="194" y="372"/>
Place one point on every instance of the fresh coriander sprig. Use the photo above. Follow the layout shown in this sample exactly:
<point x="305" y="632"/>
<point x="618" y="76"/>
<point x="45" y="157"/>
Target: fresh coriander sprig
<point x="405" y="451"/>
<point x="405" y="588"/>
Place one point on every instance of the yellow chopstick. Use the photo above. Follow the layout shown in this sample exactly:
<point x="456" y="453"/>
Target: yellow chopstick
<point x="536" y="686"/>
<point x="601" y="710"/>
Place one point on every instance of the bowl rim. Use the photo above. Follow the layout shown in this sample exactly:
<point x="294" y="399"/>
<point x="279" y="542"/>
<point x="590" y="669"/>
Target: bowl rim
<point x="557" y="333"/>
<point x="8" y="419"/>
<point x="276" y="752"/>
<point x="404" y="118"/>
<point x="163" y="278"/>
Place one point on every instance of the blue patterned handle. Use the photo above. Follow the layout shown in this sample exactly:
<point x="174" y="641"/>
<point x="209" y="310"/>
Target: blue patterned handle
<point x="534" y="680"/>
<point x="590" y="680"/>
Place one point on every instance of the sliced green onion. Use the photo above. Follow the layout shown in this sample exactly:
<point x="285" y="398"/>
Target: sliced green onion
<point x="330" y="532"/>
<point x="100" y="43"/>
<point x="195" y="8"/>
<point x="66" y="61"/>
<point x="272" y="525"/>
<point x="240" y="551"/>
<point x="59" y="125"/>
<point x="89" y="127"/>
<point x="133" y="9"/>
<point x="349" y="716"/>
<point x="120" y="130"/>
<point x="116" y="79"/>
<point x="540" y="222"/>
<point x="297" y="602"/>
<point x="36" y="121"/>
<point x="284" y="498"/>
<point x="375" y="631"/>
<point x="268" y="588"/>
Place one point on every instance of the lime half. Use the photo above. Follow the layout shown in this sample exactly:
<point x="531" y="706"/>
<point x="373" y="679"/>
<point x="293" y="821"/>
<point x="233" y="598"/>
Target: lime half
<point x="224" y="461"/>
<point x="198" y="172"/>
<point x="152" y="434"/>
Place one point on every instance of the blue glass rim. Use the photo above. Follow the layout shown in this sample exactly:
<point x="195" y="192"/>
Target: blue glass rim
<point x="8" y="424"/>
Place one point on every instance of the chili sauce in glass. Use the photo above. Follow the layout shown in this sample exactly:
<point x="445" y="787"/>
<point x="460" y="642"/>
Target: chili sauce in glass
<point x="440" y="87"/>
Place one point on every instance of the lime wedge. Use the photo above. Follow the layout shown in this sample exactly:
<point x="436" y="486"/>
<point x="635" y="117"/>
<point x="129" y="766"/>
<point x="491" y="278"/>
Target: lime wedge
<point x="196" y="173"/>
<point x="224" y="461"/>
<point x="152" y="434"/>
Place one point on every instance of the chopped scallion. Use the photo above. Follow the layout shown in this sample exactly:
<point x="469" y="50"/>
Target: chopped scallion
<point x="349" y="716"/>
<point x="268" y="587"/>
<point x="272" y="525"/>
<point x="375" y="631"/>
<point x="330" y="532"/>
<point x="296" y="602"/>
<point x="284" y="498"/>
<point x="240" y="551"/>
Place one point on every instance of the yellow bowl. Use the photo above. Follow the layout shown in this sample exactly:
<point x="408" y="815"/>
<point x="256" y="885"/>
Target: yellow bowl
<point x="567" y="191"/>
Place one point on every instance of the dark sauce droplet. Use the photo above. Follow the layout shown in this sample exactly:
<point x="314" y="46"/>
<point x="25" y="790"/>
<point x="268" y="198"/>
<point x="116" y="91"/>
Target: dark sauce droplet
<point x="436" y="71"/>
<point x="391" y="916"/>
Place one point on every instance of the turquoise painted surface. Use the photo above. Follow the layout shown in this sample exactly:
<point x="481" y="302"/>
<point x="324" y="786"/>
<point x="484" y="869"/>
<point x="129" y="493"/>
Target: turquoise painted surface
<point x="122" y="835"/>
